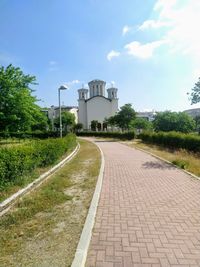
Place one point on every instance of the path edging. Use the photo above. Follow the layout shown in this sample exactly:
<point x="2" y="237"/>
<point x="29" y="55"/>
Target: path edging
<point x="84" y="242"/>
<point x="10" y="201"/>
<point x="167" y="161"/>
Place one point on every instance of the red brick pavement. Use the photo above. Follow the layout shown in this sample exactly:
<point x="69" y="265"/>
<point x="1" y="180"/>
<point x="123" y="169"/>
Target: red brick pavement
<point x="148" y="213"/>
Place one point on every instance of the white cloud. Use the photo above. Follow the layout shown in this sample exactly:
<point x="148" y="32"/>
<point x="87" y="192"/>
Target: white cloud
<point x="75" y="82"/>
<point x="125" y="30"/>
<point x="143" y="51"/>
<point x="184" y="20"/>
<point x="148" y="24"/>
<point x="112" y="54"/>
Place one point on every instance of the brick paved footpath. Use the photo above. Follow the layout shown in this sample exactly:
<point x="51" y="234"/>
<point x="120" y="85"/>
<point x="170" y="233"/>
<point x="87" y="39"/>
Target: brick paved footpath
<point x="148" y="213"/>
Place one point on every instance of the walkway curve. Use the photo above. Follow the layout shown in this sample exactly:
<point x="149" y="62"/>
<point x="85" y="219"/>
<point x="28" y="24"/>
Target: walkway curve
<point x="148" y="213"/>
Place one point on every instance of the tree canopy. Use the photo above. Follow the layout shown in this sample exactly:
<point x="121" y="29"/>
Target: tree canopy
<point x="123" y="118"/>
<point x="68" y="120"/>
<point x="18" y="108"/>
<point x="141" y="123"/>
<point x="195" y="94"/>
<point x="174" y="121"/>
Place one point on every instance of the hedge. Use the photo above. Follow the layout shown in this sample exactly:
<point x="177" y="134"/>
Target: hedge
<point x="21" y="160"/>
<point x="31" y="135"/>
<point x="119" y="135"/>
<point x="172" y="140"/>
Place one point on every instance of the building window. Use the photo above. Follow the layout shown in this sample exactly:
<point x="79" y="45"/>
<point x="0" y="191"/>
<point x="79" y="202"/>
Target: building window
<point x="82" y="95"/>
<point x="101" y="90"/>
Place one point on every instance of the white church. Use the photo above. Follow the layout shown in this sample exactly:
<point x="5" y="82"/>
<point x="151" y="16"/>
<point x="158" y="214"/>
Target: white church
<point x="97" y="106"/>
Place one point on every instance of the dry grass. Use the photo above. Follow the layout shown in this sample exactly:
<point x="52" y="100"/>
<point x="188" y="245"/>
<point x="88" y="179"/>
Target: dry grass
<point x="182" y="158"/>
<point x="11" y="188"/>
<point x="44" y="228"/>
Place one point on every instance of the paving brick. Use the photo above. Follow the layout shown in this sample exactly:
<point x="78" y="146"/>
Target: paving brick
<point x="148" y="213"/>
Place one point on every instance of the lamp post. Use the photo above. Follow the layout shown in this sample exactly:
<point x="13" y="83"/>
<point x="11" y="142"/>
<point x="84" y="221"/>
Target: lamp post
<point x="62" y="87"/>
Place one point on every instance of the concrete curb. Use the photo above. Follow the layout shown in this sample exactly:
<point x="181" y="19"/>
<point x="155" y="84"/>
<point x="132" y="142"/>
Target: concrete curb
<point x="9" y="202"/>
<point x="166" y="161"/>
<point x="84" y="242"/>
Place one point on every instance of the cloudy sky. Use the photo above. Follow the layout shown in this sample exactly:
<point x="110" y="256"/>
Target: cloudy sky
<point x="150" y="49"/>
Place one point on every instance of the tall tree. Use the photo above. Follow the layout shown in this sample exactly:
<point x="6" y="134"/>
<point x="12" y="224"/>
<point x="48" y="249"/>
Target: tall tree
<point x="68" y="120"/>
<point x="174" y="121"/>
<point x="195" y="94"/>
<point x="141" y="123"/>
<point x="123" y="118"/>
<point x="18" y="108"/>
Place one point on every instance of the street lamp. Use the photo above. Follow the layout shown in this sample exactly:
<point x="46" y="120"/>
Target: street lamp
<point x="62" y="87"/>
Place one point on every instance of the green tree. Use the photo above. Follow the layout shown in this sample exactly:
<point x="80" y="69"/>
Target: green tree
<point x="197" y="122"/>
<point x="94" y="124"/>
<point x="123" y="118"/>
<point x="195" y="94"/>
<point x="141" y="123"/>
<point x="18" y="108"/>
<point x="174" y="121"/>
<point x="68" y="120"/>
<point x="78" y="127"/>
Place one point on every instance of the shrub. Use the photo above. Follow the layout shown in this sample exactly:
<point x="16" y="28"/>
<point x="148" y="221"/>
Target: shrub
<point x="30" y="135"/>
<point x="118" y="135"/>
<point x="172" y="140"/>
<point x="21" y="160"/>
<point x="180" y="163"/>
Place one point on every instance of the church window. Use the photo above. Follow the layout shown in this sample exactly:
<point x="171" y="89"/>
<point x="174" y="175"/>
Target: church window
<point x="82" y="95"/>
<point x="101" y="90"/>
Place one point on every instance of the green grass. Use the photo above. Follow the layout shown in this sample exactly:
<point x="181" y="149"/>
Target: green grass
<point x="63" y="199"/>
<point x="11" y="187"/>
<point x="186" y="160"/>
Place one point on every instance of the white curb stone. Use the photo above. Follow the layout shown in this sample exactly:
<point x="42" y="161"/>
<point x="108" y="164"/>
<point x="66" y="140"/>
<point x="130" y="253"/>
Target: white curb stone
<point x="84" y="242"/>
<point x="9" y="202"/>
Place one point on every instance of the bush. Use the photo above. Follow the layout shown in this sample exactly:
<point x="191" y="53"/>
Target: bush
<point x="172" y="140"/>
<point x="21" y="160"/>
<point x="119" y="135"/>
<point x="31" y="135"/>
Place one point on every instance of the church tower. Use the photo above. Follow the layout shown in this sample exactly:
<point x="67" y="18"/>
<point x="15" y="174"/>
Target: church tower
<point x="97" y="88"/>
<point x="82" y="107"/>
<point x="112" y="95"/>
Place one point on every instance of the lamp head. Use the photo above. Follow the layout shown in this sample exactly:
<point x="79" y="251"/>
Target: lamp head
<point x="63" y="87"/>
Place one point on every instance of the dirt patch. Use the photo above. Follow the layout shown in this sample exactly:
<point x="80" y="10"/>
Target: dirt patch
<point x="49" y="238"/>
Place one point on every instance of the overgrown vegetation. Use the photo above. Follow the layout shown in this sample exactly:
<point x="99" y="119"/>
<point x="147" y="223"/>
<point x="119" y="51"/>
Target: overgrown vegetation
<point x="18" y="162"/>
<point x="123" y="136"/>
<point x="186" y="160"/>
<point x="44" y="227"/>
<point x="173" y="121"/>
<point x="173" y="140"/>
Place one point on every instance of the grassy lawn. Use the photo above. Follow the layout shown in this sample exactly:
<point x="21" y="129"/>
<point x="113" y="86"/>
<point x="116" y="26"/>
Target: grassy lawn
<point x="182" y="158"/>
<point x="43" y="229"/>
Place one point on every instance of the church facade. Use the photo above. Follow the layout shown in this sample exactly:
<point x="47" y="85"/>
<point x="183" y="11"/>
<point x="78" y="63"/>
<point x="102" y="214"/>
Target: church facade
<point x="96" y="106"/>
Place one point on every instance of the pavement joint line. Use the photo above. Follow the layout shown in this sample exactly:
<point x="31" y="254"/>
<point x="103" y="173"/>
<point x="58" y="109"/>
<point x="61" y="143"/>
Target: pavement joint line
<point x="165" y="160"/>
<point x="84" y="241"/>
<point x="10" y="201"/>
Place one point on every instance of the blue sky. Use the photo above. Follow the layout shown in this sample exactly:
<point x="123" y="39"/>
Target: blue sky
<point x="149" y="49"/>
